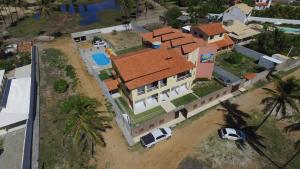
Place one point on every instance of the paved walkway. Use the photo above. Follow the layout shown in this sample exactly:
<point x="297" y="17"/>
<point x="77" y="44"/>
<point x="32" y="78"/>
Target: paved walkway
<point x="13" y="150"/>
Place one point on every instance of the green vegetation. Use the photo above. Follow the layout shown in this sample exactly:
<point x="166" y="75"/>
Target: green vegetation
<point x="128" y="50"/>
<point x="16" y="60"/>
<point x="70" y="71"/>
<point x="171" y="16"/>
<point x="83" y="122"/>
<point x="204" y="88"/>
<point x="244" y="64"/>
<point x="276" y="42"/>
<point x="105" y="74"/>
<point x="58" y="114"/>
<point x="279" y="11"/>
<point x="142" y="117"/>
<point x="184" y="100"/>
<point x="60" y="86"/>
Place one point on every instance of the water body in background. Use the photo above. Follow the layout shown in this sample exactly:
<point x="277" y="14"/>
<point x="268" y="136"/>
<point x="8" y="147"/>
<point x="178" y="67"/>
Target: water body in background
<point x="89" y="12"/>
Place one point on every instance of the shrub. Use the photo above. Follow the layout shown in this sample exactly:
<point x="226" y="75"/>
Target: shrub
<point x="25" y="58"/>
<point x="234" y="58"/>
<point x="7" y="65"/>
<point x="61" y="86"/>
<point x="200" y="79"/>
<point x="70" y="71"/>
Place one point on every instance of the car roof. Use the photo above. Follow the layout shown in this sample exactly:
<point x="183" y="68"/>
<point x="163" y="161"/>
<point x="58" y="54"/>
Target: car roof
<point x="157" y="132"/>
<point x="230" y="131"/>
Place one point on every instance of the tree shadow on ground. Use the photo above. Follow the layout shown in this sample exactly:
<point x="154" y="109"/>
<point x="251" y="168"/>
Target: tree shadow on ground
<point x="235" y="118"/>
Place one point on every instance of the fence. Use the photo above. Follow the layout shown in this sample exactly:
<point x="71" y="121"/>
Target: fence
<point x="27" y="154"/>
<point x="97" y="32"/>
<point x="248" y="52"/>
<point x="180" y="111"/>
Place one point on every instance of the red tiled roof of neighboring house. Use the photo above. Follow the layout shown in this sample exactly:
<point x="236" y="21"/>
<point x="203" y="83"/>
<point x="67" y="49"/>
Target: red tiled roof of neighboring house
<point x="149" y="37"/>
<point x="142" y="68"/>
<point x="24" y="46"/>
<point x="162" y="31"/>
<point x="261" y="4"/>
<point x="112" y="84"/>
<point x="182" y="41"/>
<point x="171" y="36"/>
<point x="224" y="42"/>
<point x="250" y="76"/>
<point x="211" y="28"/>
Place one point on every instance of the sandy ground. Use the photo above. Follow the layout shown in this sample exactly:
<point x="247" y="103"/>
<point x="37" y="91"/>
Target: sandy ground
<point x="123" y="40"/>
<point x="166" y="155"/>
<point x="87" y="84"/>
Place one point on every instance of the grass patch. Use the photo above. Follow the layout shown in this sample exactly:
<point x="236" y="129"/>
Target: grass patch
<point x="128" y="50"/>
<point x="105" y="74"/>
<point x="142" y="117"/>
<point x="110" y="18"/>
<point x="242" y="66"/>
<point x="184" y="99"/>
<point x="278" y="146"/>
<point x="204" y="88"/>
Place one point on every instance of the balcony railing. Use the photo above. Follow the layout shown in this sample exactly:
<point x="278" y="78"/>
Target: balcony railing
<point x="141" y="92"/>
<point x="149" y="89"/>
<point x="163" y="84"/>
<point x="184" y="77"/>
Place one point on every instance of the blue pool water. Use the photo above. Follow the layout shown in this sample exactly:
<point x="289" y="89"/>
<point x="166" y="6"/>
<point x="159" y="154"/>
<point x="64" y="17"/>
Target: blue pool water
<point x="290" y="30"/>
<point x="100" y="59"/>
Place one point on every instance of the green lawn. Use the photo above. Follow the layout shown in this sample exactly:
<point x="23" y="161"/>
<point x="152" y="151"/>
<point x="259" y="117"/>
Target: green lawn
<point x="105" y="74"/>
<point x="243" y="66"/>
<point x="128" y="50"/>
<point x="142" y="117"/>
<point x="184" y="100"/>
<point x="206" y="87"/>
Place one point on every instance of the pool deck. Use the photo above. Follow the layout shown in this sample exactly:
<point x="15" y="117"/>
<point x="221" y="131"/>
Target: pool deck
<point x="87" y="57"/>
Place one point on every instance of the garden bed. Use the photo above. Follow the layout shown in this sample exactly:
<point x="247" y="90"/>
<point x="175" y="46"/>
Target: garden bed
<point x="105" y="74"/>
<point x="206" y="87"/>
<point x="184" y="100"/>
<point x="237" y="63"/>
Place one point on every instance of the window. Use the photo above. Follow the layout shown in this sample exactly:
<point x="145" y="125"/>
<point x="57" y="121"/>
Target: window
<point x="163" y="130"/>
<point x="159" y="137"/>
<point x="211" y="37"/>
<point x="141" y="90"/>
<point x="221" y="35"/>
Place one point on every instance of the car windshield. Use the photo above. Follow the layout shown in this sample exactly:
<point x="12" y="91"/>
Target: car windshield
<point x="163" y="131"/>
<point x="224" y="131"/>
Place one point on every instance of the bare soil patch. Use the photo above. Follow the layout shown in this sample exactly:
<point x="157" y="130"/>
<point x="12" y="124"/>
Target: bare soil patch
<point x="123" y="40"/>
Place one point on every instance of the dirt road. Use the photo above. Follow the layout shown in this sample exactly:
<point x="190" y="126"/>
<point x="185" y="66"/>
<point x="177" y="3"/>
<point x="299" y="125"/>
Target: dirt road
<point x="165" y="155"/>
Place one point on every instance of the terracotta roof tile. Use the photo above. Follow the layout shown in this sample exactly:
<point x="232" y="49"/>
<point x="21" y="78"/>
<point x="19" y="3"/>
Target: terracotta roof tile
<point x="146" y="67"/>
<point x="112" y="84"/>
<point x="250" y="76"/>
<point x="227" y="41"/>
<point x="211" y="28"/>
<point x="162" y="31"/>
<point x="171" y="36"/>
<point x="182" y="41"/>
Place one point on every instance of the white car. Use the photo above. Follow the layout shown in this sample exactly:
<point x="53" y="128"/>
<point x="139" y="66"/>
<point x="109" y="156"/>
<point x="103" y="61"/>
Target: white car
<point x="231" y="134"/>
<point x="156" y="136"/>
<point x="99" y="43"/>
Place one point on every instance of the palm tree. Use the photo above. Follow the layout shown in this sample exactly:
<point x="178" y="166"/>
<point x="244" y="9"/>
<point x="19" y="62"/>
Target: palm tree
<point x="126" y="6"/>
<point x="83" y="122"/>
<point x="45" y="8"/>
<point x="284" y="95"/>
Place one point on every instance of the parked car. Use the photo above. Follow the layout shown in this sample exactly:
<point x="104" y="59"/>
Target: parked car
<point x="156" y="136"/>
<point x="231" y="134"/>
<point x="99" y="43"/>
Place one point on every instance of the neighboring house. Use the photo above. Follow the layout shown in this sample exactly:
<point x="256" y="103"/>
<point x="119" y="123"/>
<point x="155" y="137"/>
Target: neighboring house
<point x="213" y="33"/>
<point x="262" y="4"/>
<point x="239" y="31"/>
<point x="15" y="101"/>
<point x="239" y="12"/>
<point x="151" y="76"/>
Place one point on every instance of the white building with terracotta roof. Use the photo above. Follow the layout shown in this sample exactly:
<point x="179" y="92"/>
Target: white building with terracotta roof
<point x="262" y="4"/>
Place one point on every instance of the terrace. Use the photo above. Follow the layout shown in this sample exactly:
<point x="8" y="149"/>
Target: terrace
<point x="142" y="117"/>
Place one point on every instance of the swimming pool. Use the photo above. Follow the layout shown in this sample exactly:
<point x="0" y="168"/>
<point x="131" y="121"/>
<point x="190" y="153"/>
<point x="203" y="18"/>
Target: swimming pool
<point x="100" y="59"/>
<point x="290" y="30"/>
